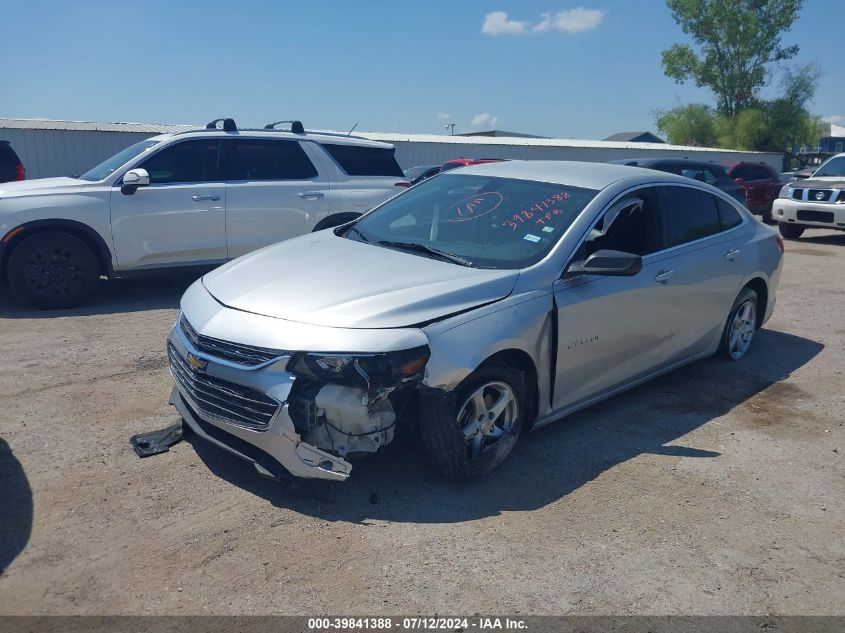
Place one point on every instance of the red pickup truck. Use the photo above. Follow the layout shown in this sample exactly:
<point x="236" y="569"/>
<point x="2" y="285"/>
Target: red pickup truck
<point x="762" y="185"/>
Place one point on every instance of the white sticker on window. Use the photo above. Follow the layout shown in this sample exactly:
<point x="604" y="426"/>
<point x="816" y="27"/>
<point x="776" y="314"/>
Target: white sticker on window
<point x="532" y="238"/>
<point x="548" y="229"/>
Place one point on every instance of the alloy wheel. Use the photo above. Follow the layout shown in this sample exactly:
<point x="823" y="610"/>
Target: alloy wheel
<point x="488" y="415"/>
<point x="742" y="330"/>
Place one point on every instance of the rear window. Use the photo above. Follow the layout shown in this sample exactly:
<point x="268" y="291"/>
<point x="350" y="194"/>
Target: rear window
<point x="356" y="160"/>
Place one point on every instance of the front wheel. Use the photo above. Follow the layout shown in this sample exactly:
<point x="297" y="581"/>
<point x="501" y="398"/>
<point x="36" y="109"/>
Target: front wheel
<point x="740" y="327"/>
<point x="790" y="231"/>
<point x="53" y="270"/>
<point x="484" y="426"/>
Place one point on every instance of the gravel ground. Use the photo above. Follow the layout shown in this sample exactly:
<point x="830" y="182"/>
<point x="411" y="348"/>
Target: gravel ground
<point x="714" y="490"/>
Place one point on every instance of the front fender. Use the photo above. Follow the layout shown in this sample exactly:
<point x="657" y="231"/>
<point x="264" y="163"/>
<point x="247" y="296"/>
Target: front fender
<point x="460" y="344"/>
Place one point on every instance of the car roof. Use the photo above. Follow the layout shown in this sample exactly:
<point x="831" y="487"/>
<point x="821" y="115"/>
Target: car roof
<point x="320" y="137"/>
<point x="571" y="173"/>
<point x="651" y="160"/>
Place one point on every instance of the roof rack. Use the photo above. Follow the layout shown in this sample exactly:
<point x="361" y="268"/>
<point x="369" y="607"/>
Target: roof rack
<point x="228" y="125"/>
<point x="296" y="127"/>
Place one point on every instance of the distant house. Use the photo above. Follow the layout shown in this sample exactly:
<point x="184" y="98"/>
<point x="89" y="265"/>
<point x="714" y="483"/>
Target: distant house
<point x="634" y="137"/>
<point x="501" y="133"/>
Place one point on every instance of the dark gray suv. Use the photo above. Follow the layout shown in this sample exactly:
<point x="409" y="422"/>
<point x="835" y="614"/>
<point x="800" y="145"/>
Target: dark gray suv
<point x="11" y="167"/>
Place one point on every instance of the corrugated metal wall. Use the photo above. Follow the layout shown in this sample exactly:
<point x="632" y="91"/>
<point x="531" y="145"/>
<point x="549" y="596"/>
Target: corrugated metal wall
<point x="47" y="153"/>
<point x="51" y="152"/>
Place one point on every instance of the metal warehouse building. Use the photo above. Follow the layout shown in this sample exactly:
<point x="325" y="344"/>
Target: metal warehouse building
<point x="68" y="148"/>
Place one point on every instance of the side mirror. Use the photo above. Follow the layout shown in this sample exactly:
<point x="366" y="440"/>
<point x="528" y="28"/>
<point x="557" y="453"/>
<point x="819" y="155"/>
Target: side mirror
<point x="133" y="179"/>
<point x="608" y="264"/>
<point x="740" y="181"/>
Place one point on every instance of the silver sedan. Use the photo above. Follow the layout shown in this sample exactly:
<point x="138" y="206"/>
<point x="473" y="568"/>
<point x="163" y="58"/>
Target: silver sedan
<point x="475" y="306"/>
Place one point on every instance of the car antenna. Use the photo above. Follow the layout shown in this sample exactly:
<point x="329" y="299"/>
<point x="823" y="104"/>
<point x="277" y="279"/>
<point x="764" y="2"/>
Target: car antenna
<point x="352" y="130"/>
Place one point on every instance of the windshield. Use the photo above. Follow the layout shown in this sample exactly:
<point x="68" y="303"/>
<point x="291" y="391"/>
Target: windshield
<point x="834" y="167"/>
<point x="491" y="222"/>
<point x="108" y="166"/>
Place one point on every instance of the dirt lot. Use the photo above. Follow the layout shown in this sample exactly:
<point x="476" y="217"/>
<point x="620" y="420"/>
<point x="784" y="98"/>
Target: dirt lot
<point x="717" y="489"/>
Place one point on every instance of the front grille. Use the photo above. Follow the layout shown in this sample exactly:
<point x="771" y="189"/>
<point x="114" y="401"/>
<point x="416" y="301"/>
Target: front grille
<point x="222" y="399"/>
<point x="245" y="355"/>
<point x="815" y="216"/>
<point x="797" y="194"/>
<point x="813" y="195"/>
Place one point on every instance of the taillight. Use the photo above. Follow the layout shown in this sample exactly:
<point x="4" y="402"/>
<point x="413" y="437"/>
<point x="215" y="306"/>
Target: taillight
<point x="780" y="242"/>
<point x="20" y="172"/>
<point x="402" y="184"/>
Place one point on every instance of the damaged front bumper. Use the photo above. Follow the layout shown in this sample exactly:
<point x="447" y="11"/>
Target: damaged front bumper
<point x="213" y="401"/>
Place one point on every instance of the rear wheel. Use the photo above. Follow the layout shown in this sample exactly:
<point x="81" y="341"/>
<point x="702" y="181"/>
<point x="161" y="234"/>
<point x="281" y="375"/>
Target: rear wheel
<point x="484" y="426"/>
<point x="740" y="327"/>
<point x="53" y="270"/>
<point x="790" y="231"/>
<point x="766" y="216"/>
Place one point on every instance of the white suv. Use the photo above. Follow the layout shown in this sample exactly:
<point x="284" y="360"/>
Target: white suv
<point x="816" y="202"/>
<point x="200" y="197"/>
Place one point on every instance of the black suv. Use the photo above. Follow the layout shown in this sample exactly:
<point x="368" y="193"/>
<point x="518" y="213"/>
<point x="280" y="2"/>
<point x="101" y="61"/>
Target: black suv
<point x="11" y="167"/>
<point x="711" y="173"/>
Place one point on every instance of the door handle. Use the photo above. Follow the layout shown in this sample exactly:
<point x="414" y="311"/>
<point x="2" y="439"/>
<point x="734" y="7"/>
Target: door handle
<point x="732" y="253"/>
<point x="311" y="195"/>
<point x="203" y="198"/>
<point x="665" y="276"/>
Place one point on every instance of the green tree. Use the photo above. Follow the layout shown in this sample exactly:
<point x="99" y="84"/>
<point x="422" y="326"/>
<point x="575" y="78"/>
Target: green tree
<point x="737" y="41"/>
<point x="693" y="124"/>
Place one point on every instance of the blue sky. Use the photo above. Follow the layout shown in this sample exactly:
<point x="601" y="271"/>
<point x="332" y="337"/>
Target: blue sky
<point x="569" y="69"/>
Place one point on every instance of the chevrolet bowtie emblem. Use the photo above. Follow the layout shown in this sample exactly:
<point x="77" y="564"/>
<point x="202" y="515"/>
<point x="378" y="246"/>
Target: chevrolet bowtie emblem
<point x="197" y="363"/>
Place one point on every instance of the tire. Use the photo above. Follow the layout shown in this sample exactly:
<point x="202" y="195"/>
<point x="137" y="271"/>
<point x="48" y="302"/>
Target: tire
<point x="53" y="270"/>
<point x="790" y="231"/>
<point x="740" y="326"/>
<point x="766" y="216"/>
<point x="445" y="438"/>
<point x="335" y="219"/>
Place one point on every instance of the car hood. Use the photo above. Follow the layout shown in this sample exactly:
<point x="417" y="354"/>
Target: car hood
<point x="323" y="279"/>
<point x="39" y="186"/>
<point x="823" y="182"/>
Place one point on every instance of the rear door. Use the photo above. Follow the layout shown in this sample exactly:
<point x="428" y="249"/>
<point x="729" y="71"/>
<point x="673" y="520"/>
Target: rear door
<point x="274" y="191"/>
<point x="180" y="218"/>
<point x="700" y="269"/>
<point x="372" y="175"/>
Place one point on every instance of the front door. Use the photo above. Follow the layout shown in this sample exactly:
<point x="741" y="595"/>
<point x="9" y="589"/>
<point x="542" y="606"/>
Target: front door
<point x="612" y="330"/>
<point x="180" y="218"/>
<point x="274" y="192"/>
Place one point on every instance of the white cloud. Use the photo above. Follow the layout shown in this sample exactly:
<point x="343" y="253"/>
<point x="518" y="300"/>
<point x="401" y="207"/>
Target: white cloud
<point x="443" y="116"/>
<point x="484" y="120"/>
<point x="836" y="119"/>
<point x="575" y="20"/>
<point x="497" y="23"/>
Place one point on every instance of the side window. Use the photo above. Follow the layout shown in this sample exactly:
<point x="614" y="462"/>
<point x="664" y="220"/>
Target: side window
<point x="688" y="215"/>
<point x="260" y="159"/>
<point x="357" y="160"/>
<point x="702" y="175"/>
<point x="187" y="161"/>
<point x="729" y="217"/>
<point x="630" y="226"/>
<point x="744" y="171"/>
<point x="762" y="173"/>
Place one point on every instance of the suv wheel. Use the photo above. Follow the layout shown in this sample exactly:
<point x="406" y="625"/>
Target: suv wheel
<point x="484" y="427"/>
<point x="53" y="270"/>
<point x="790" y="231"/>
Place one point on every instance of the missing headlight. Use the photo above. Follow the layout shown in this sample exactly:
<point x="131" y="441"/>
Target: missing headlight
<point x="364" y="371"/>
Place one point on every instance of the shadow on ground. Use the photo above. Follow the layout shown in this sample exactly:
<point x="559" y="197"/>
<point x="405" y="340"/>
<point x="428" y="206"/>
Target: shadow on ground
<point x="15" y="507"/>
<point x="115" y="296"/>
<point x="811" y="236"/>
<point x="546" y="465"/>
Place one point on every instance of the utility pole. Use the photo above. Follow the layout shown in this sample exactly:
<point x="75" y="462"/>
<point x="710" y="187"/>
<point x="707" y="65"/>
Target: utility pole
<point x="451" y="128"/>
